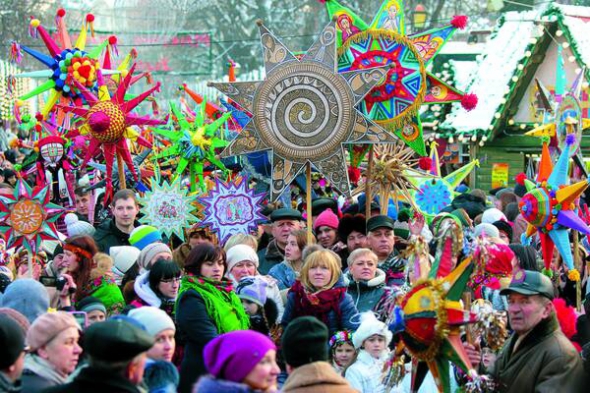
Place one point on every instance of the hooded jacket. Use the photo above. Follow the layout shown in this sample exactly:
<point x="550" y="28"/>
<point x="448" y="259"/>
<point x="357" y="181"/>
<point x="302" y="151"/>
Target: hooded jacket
<point x="316" y="377"/>
<point x="366" y="295"/>
<point x="544" y="361"/>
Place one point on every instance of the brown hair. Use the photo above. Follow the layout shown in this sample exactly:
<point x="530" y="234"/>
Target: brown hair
<point x="506" y="198"/>
<point x="123" y="194"/>
<point x="327" y="258"/>
<point x="301" y="237"/>
<point x="202" y="253"/>
<point x="82" y="275"/>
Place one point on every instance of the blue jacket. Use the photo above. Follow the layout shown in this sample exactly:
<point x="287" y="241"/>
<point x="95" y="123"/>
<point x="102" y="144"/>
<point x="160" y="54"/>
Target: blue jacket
<point x="284" y="274"/>
<point x="350" y="317"/>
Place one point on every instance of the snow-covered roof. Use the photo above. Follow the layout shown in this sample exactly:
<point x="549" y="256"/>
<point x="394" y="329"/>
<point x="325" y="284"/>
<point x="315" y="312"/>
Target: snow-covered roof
<point x="494" y="71"/>
<point x="462" y="71"/>
<point x="577" y="20"/>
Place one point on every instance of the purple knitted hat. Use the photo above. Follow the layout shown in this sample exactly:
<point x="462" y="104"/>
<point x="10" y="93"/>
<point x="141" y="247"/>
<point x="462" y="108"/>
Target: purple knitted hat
<point x="231" y="356"/>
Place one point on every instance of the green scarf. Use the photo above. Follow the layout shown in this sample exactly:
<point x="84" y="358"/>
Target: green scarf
<point x="106" y="290"/>
<point x="224" y="307"/>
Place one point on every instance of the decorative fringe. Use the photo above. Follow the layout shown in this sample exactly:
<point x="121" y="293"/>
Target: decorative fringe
<point x="15" y="55"/>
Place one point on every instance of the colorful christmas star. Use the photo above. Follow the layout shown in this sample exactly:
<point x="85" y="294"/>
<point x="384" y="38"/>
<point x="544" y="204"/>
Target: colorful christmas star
<point x="232" y="208"/>
<point x="304" y="110"/>
<point x="194" y="143"/>
<point x="108" y="121"/>
<point x="27" y="217"/>
<point x="549" y="207"/>
<point x="395" y="102"/>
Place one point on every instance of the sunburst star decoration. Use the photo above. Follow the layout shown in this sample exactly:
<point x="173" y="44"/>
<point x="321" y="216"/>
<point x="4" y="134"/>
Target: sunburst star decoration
<point x="168" y="207"/>
<point x="27" y="217"/>
<point x="195" y="143"/>
<point x="232" y="208"/>
<point x="108" y="121"/>
<point x="304" y="111"/>
<point x="549" y="207"/>
<point x="395" y="102"/>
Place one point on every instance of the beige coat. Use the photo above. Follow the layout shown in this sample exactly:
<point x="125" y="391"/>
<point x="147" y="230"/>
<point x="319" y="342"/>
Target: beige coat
<point x="316" y="377"/>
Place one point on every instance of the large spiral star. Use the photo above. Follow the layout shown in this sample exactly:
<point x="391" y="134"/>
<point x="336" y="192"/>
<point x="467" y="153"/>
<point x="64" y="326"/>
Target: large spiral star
<point x="305" y="111"/>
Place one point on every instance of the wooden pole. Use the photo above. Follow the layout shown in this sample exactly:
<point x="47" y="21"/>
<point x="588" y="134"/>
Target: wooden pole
<point x="308" y="202"/>
<point x="578" y="265"/>
<point x="368" y="196"/>
<point x="121" y="167"/>
<point x="467" y="301"/>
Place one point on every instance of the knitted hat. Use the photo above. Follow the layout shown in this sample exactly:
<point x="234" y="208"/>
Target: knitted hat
<point x="349" y="223"/>
<point x="239" y="253"/>
<point x="305" y="340"/>
<point x="149" y="252"/>
<point x="12" y="341"/>
<point x="77" y="227"/>
<point x="486" y="229"/>
<point x="91" y="303"/>
<point x="370" y="326"/>
<point x="143" y="235"/>
<point x="252" y="289"/>
<point x="47" y="327"/>
<point x="22" y="321"/>
<point x="327" y="218"/>
<point x="401" y="229"/>
<point x="231" y="356"/>
<point x="492" y="215"/>
<point x="123" y="258"/>
<point x="27" y="296"/>
<point x="153" y="319"/>
<point x="504" y="226"/>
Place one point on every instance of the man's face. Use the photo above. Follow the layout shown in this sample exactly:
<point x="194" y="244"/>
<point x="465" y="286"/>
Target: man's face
<point x="196" y="239"/>
<point x="125" y="211"/>
<point x="282" y="229"/>
<point x="364" y="267"/>
<point x="82" y="203"/>
<point x="525" y="312"/>
<point x="356" y="240"/>
<point x="381" y="241"/>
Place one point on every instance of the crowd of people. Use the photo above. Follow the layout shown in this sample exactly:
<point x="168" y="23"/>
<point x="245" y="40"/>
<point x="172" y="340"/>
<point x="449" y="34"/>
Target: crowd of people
<point x="117" y="307"/>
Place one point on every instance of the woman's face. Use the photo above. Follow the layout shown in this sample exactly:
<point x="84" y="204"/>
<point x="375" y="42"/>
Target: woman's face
<point x="264" y="375"/>
<point x="326" y="236"/>
<point x="70" y="261"/>
<point x="292" y="251"/>
<point x="344" y="354"/>
<point x="320" y="276"/>
<point x="63" y="351"/>
<point x="164" y="347"/>
<point x="213" y="269"/>
<point x="162" y="255"/>
<point x="169" y="287"/>
<point x="243" y="269"/>
<point x="250" y="307"/>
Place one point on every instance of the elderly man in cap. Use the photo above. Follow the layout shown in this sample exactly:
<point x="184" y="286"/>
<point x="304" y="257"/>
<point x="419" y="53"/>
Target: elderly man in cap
<point x="117" y="354"/>
<point x="284" y="221"/>
<point x="537" y="357"/>
<point x="381" y="240"/>
<point x="12" y="354"/>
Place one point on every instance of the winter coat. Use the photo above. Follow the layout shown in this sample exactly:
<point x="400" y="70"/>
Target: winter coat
<point x="147" y="297"/>
<point x="160" y="376"/>
<point x="284" y="274"/>
<point x="366" y="373"/>
<point x="270" y="256"/>
<point x="272" y="292"/>
<point x="544" y="361"/>
<point x="39" y="374"/>
<point x="316" y="377"/>
<point x="366" y="295"/>
<point x="350" y="318"/>
<point x="107" y="235"/>
<point x="209" y="384"/>
<point x="92" y="380"/>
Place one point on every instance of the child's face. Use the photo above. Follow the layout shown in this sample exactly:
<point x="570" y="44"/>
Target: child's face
<point x="344" y="354"/>
<point x="250" y="307"/>
<point x="374" y="345"/>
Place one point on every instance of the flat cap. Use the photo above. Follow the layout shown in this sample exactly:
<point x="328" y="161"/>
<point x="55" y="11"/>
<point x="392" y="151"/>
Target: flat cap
<point x="528" y="282"/>
<point x="380" y="221"/>
<point x="285" y="214"/>
<point x="116" y="340"/>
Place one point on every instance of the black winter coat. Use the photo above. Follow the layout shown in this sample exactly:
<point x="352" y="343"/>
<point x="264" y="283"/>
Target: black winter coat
<point x="107" y="235"/>
<point x="91" y="380"/>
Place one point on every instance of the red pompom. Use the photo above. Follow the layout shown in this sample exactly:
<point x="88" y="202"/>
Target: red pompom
<point x="38" y="127"/>
<point x="425" y="163"/>
<point x="566" y="317"/>
<point x="520" y="178"/>
<point x="459" y="21"/>
<point x="354" y="174"/>
<point x="61" y="12"/>
<point x="39" y="116"/>
<point x="112" y="40"/>
<point x="89" y="18"/>
<point x="469" y="101"/>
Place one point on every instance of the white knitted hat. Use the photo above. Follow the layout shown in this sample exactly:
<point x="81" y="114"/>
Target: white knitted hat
<point x="241" y="252"/>
<point x="153" y="319"/>
<point x="123" y="258"/>
<point x="370" y="326"/>
<point x="77" y="227"/>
